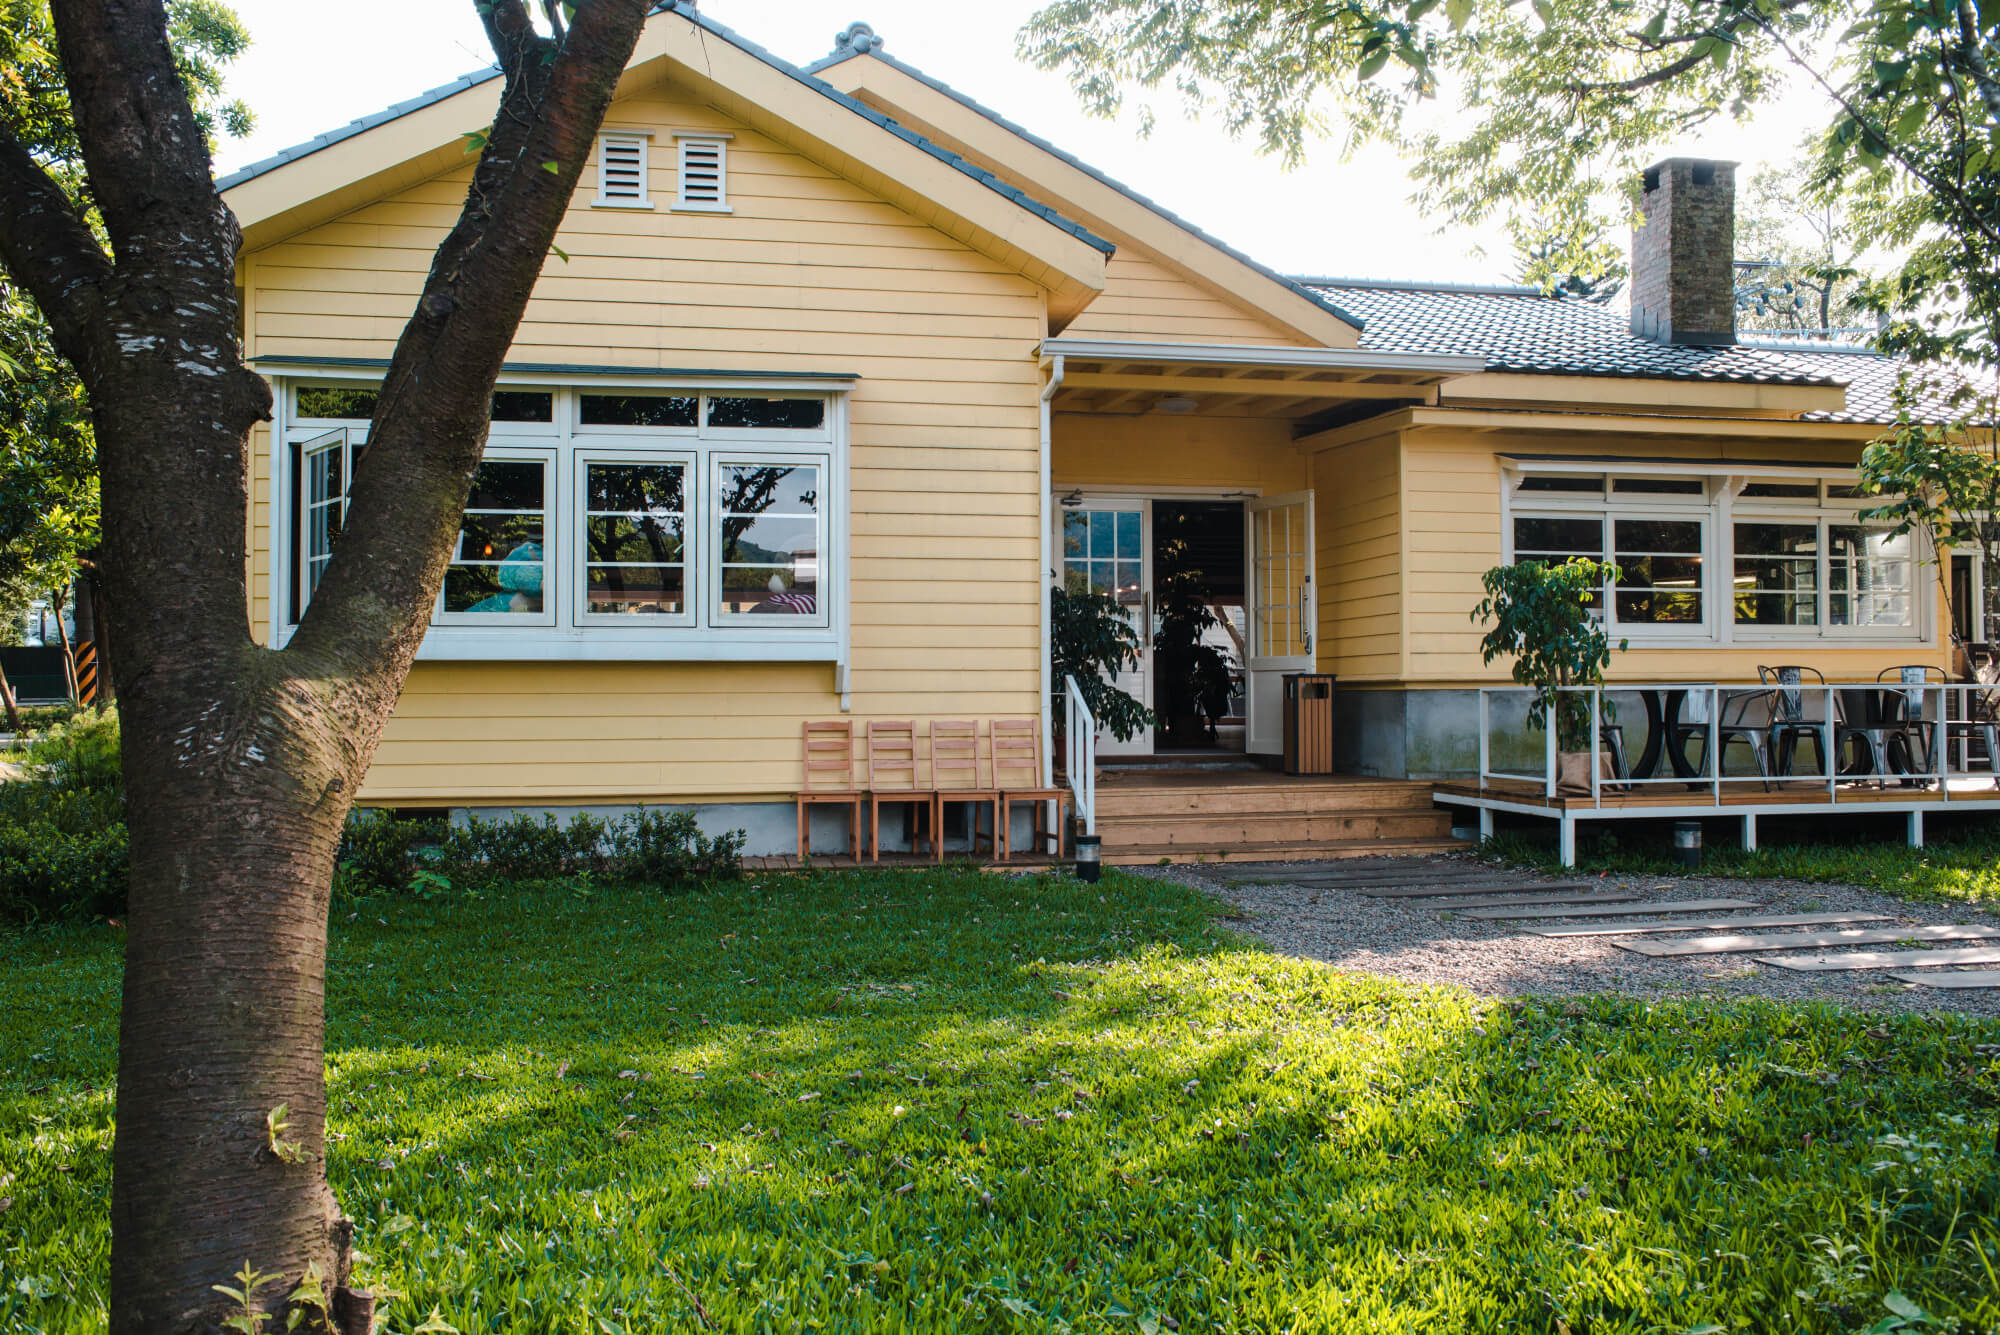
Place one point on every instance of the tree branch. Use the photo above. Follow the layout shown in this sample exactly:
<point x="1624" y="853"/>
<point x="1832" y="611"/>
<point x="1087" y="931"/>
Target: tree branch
<point x="48" y="248"/>
<point x="373" y="602"/>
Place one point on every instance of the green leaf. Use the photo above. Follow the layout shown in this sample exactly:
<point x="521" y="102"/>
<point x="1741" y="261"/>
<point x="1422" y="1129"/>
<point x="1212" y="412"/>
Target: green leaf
<point x="1458" y="13"/>
<point x="475" y="140"/>
<point x="560" y="253"/>
<point x="552" y="168"/>
<point x="1656" y="27"/>
<point x="1546" y="12"/>
<point x="1903" y="1307"/>
<point x="1372" y="64"/>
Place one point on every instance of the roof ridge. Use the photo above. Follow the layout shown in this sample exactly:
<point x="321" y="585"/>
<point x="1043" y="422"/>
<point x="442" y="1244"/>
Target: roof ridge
<point x="873" y="47"/>
<point x="1423" y="285"/>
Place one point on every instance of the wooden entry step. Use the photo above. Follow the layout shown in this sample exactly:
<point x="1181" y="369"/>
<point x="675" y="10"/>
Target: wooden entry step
<point x="1270" y="827"/>
<point x="1195" y="793"/>
<point x="1139" y="855"/>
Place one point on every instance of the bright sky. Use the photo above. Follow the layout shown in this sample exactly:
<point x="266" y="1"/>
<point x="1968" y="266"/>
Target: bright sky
<point x="309" y="72"/>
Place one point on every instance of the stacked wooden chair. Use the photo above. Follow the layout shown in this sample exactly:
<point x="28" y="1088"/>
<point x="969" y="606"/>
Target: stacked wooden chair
<point x="1010" y="778"/>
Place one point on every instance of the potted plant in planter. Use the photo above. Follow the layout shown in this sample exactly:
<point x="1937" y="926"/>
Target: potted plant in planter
<point x="1541" y="617"/>
<point x="1093" y="639"/>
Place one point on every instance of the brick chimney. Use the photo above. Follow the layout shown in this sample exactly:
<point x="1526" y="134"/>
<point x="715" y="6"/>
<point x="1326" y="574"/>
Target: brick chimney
<point x="1684" y="254"/>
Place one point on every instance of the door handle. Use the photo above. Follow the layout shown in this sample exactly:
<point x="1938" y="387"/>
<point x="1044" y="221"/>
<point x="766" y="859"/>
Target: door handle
<point x="1305" y="616"/>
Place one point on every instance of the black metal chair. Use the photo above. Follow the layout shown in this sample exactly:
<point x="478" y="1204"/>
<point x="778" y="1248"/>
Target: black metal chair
<point x="1978" y="713"/>
<point x="1746" y="716"/>
<point x="1799" y="713"/>
<point x="1907" y="718"/>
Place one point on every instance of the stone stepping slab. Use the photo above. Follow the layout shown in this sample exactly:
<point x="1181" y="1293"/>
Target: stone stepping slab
<point x="1964" y="978"/>
<point x="1525" y="899"/>
<point x="1635" y="927"/>
<point x="1727" y="945"/>
<point x="1667" y="906"/>
<point x="1890" y="959"/>
<point x="1367" y="883"/>
<point x="1418" y="891"/>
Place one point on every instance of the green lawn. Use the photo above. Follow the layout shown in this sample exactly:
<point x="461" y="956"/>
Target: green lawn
<point x="1963" y="869"/>
<point x="955" y="1102"/>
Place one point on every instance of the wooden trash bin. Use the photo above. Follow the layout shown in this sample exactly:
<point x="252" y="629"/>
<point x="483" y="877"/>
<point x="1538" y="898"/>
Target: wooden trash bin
<point x="1308" y="723"/>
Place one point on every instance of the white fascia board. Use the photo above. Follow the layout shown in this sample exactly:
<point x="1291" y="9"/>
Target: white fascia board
<point x="637" y="378"/>
<point x="1253" y="354"/>
<point x="1657" y="468"/>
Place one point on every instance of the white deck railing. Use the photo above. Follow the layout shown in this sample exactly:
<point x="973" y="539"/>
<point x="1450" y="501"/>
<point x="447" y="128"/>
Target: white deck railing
<point x="1943" y="737"/>
<point x="1080" y="760"/>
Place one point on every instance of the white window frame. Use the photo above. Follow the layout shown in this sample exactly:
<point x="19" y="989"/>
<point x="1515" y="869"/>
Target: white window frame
<point x="308" y="442"/>
<point x="1720" y="509"/>
<point x="641" y="142"/>
<point x="546" y="456"/>
<point x="825" y="637"/>
<point x="588" y="453"/>
<point x="697" y="140"/>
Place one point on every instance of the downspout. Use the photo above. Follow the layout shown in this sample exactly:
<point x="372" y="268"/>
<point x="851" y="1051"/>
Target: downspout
<point x="1048" y="573"/>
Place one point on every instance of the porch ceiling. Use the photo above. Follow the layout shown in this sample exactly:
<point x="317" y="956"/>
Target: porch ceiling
<point x="1126" y="379"/>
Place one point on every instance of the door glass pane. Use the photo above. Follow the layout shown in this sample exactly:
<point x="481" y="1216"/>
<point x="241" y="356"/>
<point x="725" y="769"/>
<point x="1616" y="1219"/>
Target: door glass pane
<point x="499" y="565"/>
<point x="769" y="540"/>
<point x="635" y="554"/>
<point x="1278" y="567"/>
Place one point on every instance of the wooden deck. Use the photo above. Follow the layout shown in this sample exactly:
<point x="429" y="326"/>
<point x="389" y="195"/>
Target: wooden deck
<point x="1195" y="813"/>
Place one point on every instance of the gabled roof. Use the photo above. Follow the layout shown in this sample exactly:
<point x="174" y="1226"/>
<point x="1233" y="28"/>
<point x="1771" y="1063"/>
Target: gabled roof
<point x="477" y="92"/>
<point x="869" y="46"/>
<point x="1524" y="331"/>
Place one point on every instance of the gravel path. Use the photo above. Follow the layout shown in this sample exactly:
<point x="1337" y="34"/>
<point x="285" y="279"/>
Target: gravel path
<point x="1415" y="941"/>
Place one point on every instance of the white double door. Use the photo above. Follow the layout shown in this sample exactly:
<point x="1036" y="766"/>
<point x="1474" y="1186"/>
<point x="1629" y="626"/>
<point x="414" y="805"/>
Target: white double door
<point x="1107" y="546"/>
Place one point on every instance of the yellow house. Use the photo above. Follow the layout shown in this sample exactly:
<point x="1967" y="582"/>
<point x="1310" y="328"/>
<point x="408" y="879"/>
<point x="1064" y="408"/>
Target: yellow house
<point x="837" y="371"/>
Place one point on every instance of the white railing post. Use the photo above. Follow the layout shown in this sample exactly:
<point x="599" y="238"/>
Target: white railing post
<point x="1715" y="740"/>
<point x="1596" y="741"/>
<point x="1549" y="719"/>
<point x="1940" y="731"/>
<point x="1828" y="736"/>
<point x="1081" y="727"/>
<point x="1485" y="737"/>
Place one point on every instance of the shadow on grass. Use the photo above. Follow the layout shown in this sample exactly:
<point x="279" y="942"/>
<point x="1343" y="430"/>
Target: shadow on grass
<point x="946" y="1101"/>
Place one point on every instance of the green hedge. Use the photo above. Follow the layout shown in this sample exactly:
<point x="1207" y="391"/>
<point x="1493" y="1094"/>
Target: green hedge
<point x="63" y="852"/>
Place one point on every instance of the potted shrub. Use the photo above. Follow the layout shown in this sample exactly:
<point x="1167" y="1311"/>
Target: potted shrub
<point x="1092" y="639"/>
<point x="1541" y="618"/>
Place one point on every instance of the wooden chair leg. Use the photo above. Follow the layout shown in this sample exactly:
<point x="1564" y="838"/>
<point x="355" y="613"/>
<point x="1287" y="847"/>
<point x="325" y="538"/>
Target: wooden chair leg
<point x="854" y="829"/>
<point x="803" y="828"/>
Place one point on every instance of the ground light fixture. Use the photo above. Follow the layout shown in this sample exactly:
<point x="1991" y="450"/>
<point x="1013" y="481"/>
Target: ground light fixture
<point x="1088" y="868"/>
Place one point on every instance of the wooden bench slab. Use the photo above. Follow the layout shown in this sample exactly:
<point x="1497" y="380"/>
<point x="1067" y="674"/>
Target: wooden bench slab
<point x="1889" y="959"/>
<point x="1529" y="898"/>
<point x="1966" y="978"/>
<point x="1860" y="936"/>
<point x="1633" y="928"/>
<point x="1419" y="890"/>
<point x="1665" y="906"/>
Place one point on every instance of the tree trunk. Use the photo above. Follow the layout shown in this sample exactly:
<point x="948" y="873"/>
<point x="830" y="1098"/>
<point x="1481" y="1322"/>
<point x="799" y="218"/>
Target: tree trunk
<point x="100" y="633"/>
<point x="8" y="703"/>
<point x="241" y="762"/>
<point x="68" y="653"/>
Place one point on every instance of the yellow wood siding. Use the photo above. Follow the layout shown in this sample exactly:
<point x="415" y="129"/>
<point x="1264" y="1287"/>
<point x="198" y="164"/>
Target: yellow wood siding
<point x="1105" y="451"/>
<point x="1358" y="531"/>
<point x="809" y="273"/>
<point x="1145" y="301"/>
<point x="1452" y="535"/>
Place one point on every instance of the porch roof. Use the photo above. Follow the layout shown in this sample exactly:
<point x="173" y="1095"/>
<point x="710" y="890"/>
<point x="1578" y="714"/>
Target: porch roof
<point x="1115" y="376"/>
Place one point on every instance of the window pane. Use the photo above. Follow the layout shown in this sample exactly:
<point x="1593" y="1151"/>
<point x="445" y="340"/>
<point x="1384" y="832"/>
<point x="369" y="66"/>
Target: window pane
<point x="767" y="414"/>
<point x="769" y="519"/>
<point x="499" y="566"/>
<point x="635" y="557"/>
<point x="524" y="405"/>
<point x="1659" y="571"/>
<point x="1076" y="535"/>
<point x="1777" y="574"/>
<point x="337" y="401"/>
<point x="639" y="409"/>
<point x="1590" y="485"/>
<point x="1128" y="535"/>
<point x="1659" y="486"/>
<point x="1102" y="537"/>
<point x="1790" y="491"/>
<point x="1542" y="539"/>
<point x="1869" y="577"/>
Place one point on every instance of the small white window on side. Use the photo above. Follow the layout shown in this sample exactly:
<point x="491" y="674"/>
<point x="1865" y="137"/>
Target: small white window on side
<point x="621" y="169"/>
<point x="704" y="173"/>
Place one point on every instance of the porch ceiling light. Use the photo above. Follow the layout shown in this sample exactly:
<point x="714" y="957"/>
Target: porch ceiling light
<point x="1177" y="404"/>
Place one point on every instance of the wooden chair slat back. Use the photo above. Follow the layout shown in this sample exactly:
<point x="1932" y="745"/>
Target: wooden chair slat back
<point x="892" y="754"/>
<point x="1017" y="750"/>
<point x="829" y="755"/>
<point x="955" y="753"/>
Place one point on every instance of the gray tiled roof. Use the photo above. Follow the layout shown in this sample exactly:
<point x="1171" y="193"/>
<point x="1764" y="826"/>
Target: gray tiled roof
<point x="693" y="15"/>
<point x="1519" y="329"/>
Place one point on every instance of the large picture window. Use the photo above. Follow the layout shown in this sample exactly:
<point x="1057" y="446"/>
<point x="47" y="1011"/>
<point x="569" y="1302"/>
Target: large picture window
<point x="1791" y="561"/>
<point x="609" y="522"/>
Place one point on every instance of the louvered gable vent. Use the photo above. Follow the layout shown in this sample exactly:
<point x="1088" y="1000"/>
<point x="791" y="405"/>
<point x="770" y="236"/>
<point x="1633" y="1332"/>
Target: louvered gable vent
<point x="704" y="172"/>
<point x="621" y="169"/>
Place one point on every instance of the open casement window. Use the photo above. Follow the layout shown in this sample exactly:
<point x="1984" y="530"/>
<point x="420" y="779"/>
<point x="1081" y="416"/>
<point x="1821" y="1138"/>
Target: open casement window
<point x="324" y="467"/>
<point x="500" y="567"/>
<point x="768" y="531"/>
<point x="1822" y="576"/>
<point x="634" y="538"/>
<point x="704" y="173"/>
<point x="622" y="169"/>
